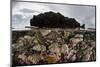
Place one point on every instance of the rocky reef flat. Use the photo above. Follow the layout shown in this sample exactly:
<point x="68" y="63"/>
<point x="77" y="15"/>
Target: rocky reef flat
<point x="50" y="46"/>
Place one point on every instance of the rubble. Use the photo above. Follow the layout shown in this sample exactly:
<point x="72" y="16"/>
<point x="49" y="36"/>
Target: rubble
<point x="33" y="58"/>
<point x="64" y="49"/>
<point x="39" y="48"/>
<point x="53" y="47"/>
<point x="45" y="32"/>
<point x="52" y="58"/>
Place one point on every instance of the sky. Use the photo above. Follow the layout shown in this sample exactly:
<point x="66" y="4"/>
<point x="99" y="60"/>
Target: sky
<point x="22" y="12"/>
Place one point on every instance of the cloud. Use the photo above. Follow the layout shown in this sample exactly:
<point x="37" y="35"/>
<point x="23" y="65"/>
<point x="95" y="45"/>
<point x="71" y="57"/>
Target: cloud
<point x="19" y="21"/>
<point x="16" y="18"/>
<point x="26" y="10"/>
<point x="89" y="21"/>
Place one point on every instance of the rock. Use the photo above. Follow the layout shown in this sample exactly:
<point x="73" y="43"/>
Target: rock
<point x="58" y="39"/>
<point x="86" y="57"/>
<point x="21" y="39"/>
<point x="34" y="59"/>
<point x="45" y="32"/>
<point x="28" y="40"/>
<point x="76" y="40"/>
<point x="66" y="34"/>
<point x="93" y="44"/>
<point x="64" y="49"/>
<point x="22" y="57"/>
<point x="18" y="45"/>
<point x="71" y="54"/>
<point x="86" y="53"/>
<point x="83" y="45"/>
<point x="50" y="41"/>
<point x="52" y="58"/>
<point x="53" y="35"/>
<point x="20" y="42"/>
<point x="27" y="37"/>
<point x="35" y="41"/>
<point x="39" y="48"/>
<point x="73" y="58"/>
<point x="88" y="50"/>
<point x="43" y="48"/>
<point x="78" y="36"/>
<point x="13" y="45"/>
<point x="54" y="48"/>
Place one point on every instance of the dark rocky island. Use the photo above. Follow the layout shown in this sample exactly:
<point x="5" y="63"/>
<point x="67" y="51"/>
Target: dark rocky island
<point x="54" y="20"/>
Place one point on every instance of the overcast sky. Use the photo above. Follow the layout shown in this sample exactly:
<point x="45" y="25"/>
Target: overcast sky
<point x="22" y="12"/>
